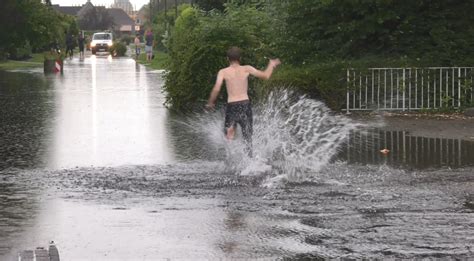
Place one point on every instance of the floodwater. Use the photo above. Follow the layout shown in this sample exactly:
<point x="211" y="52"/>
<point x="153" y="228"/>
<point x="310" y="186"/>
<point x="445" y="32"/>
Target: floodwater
<point x="93" y="160"/>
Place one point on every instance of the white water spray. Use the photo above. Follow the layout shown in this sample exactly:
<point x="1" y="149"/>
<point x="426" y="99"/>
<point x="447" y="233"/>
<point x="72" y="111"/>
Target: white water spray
<point x="294" y="137"/>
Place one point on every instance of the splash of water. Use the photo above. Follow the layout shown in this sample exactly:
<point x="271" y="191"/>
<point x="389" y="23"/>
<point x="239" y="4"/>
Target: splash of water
<point x="294" y="137"/>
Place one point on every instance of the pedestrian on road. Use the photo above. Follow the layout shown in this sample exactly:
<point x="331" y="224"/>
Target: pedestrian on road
<point x="69" y="45"/>
<point x="238" y="109"/>
<point x="137" y="46"/>
<point x="149" y="45"/>
<point x="80" y="42"/>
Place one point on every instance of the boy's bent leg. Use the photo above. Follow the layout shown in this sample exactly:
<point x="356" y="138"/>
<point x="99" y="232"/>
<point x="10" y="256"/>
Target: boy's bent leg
<point x="230" y="133"/>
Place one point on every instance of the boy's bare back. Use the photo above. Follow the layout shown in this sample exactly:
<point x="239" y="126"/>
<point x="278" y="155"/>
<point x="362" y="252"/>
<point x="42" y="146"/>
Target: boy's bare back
<point x="236" y="79"/>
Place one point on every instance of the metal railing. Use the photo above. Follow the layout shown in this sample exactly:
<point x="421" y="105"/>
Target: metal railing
<point x="409" y="88"/>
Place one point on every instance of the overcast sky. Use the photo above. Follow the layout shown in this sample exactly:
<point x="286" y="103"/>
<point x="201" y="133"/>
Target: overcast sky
<point x="137" y="4"/>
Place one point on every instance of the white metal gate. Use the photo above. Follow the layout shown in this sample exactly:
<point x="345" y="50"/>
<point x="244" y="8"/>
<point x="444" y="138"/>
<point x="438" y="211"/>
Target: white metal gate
<point x="409" y="88"/>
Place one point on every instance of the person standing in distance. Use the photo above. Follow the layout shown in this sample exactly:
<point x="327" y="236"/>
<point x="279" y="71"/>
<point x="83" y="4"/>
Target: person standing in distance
<point x="149" y="45"/>
<point x="80" y="42"/>
<point x="137" y="46"/>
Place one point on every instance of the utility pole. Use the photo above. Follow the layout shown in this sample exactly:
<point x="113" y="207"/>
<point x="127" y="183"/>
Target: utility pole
<point x="166" y="14"/>
<point x="150" y="6"/>
<point x="176" y="8"/>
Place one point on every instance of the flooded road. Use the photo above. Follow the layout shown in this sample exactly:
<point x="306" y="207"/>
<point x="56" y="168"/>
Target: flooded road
<point x="94" y="161"/>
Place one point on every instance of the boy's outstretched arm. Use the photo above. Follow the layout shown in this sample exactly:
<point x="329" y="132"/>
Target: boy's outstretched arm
<point x="215" y="91"/>
<point x="265" y="75"/>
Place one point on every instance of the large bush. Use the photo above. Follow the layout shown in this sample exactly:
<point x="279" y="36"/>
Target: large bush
<point x="198" y="45"/>
<point x="20" y="52"/>
<point x="118" y="49"/>
<point x="440" y="32"/>
<point x="316" y="40"/>
<point x="36" y="26"/>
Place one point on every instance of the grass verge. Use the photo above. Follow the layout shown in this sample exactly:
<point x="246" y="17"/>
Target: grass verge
<point x="35" y="61"/>
<point x="158" y="63"/>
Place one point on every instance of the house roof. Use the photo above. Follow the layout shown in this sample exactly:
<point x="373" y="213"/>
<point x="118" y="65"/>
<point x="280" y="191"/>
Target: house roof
<point x="143" y="13"/>
<point x="86" y="7"/>
<point x="120" y="17"/>
<point x="69" y="10"/>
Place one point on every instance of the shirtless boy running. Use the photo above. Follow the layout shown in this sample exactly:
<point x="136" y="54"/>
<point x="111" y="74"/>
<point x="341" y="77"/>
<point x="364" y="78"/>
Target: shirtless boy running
<point x="238" y="109"/>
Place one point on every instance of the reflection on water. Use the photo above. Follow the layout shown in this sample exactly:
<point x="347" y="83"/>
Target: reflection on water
<point x="109" y="113"/>
<point x="101" y="112"/>
<point x="407" y="150"/>
<point x="136" y="202"/>
<point x="26" y="109"/>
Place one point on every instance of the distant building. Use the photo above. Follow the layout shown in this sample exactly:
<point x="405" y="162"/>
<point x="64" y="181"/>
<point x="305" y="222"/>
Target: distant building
<point x="68" y="10"/>
<point x="75" y="10"/>
<point x="143" y="15"/>
<point x="86" y="8"/>
<point x="122" y="21"/>
<point x="124" y="5"/>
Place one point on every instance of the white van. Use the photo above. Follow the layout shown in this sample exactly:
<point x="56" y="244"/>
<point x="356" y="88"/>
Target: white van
<point x="101" y="42"/>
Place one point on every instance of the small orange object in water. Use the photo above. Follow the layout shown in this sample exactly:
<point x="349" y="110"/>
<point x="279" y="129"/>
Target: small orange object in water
<point x="385" y="151"/>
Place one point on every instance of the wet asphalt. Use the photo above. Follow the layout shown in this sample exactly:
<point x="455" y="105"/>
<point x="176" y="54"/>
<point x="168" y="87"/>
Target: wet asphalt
<point x="93" y="160"/>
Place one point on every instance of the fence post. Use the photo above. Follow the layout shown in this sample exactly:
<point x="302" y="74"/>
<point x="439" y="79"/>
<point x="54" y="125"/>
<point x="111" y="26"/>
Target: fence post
<point x="347" y="92"/>
<point x="459" y="87"/>
<point x="404" y="90"/>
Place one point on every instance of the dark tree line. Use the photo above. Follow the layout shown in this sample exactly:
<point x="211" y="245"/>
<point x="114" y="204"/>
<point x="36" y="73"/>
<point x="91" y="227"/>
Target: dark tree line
<point x="440" y="29"/>
<point x="30" y="25"/>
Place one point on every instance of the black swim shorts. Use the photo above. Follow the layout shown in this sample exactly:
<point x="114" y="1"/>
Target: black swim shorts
<point x="240" y="112"/>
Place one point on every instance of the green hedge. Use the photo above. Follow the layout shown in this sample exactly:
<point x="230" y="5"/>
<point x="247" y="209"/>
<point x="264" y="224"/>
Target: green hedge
<point x="316" y="40"/>
<point x="198" y="45"/>
<point x="118" y="49"/>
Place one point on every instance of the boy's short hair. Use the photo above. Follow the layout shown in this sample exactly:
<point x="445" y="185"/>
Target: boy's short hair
<point x="233" y="54"/>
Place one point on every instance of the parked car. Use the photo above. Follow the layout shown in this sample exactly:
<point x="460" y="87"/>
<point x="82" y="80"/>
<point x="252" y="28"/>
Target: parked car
<point x="101" y="42"/>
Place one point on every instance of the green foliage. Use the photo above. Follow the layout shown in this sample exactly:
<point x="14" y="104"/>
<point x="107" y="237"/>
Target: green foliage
<point x="208" y="5"/>
<point x="161" y="25"/>
<point x="21" y="52"/>
<point x="325" y="81"/>
<point x="158" y="62"/>
<point x="35" y="61"/>
<point x="198" y="45"/>
<point x="118" y="49"/>
<point x="30" y="22"/>
<point x="316" y="40"/>
<point x="126" y="39"/>
<point x="439" y="32"/>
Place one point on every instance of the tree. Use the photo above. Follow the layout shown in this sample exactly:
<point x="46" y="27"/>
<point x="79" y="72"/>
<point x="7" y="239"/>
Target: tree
<point x="36" y="26"/>
<point x="96" y="18"/>
<point x="208" y="5"/>
<point x="330" y="29"/>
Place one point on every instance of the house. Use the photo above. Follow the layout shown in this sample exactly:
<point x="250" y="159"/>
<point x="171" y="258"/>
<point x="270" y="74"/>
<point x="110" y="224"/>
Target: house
<point x="67" y="10"/>
<point x="143" y="15"/>
<point x="124" y="5"/>
<point x="122" y="22"/>
<point x="74" y="10"/>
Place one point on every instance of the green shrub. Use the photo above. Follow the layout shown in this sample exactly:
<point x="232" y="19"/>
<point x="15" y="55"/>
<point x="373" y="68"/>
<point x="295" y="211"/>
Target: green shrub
<point x="118" y="49"/>
<point x="321" y="81"/>
<point x="126" y="39"/>
<point x="198" y="45"/>
<point x="20" y="53"/>
<point x="440" y="31"/>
